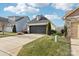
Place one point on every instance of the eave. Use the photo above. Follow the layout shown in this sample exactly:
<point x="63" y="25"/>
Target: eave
<point x="32" y="24"/>
<point x="69" y="13"/>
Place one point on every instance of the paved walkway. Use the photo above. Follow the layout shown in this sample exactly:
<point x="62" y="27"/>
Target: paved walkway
<point x="12" y="45"/>
<point x="75" y="47"/>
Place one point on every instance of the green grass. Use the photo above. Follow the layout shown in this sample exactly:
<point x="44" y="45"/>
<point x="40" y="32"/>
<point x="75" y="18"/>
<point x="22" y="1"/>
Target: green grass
<point x="6" y="34"/>
<point x="46" y="46"/>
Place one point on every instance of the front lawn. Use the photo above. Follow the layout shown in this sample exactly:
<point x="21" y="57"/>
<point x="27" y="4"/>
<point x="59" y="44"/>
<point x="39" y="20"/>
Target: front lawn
<point x="46" y="46"/>
<point x="6" y="34"/>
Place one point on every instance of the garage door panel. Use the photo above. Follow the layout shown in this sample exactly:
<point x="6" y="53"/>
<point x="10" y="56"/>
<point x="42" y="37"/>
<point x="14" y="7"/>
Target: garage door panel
<point x="37" y="29"/>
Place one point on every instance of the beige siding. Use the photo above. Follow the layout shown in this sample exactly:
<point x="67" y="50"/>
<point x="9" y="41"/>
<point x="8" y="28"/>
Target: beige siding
<point x="74" y="30"/>
<point x="73" y="27"/>
<point x="78" y="31"/>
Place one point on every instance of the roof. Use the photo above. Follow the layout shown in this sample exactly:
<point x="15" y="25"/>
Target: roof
<point x="18" y="18"/>
<point x="2" y="19"/>
<point x="70" y="12"/>
<point x="39" y="20"/>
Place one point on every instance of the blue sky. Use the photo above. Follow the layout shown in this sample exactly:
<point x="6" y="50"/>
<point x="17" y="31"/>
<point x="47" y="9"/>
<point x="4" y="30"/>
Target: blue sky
<point x="53" y="11"/>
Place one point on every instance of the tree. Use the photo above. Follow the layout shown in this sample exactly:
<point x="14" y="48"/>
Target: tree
<point x="65" y="31"/>
<point x="14" y="28"/>
<point x="49" y="28"/>
<point x="62" y="32"/>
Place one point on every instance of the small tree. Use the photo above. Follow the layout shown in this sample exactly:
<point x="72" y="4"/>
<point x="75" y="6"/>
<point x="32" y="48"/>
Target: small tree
<point x="49" y="28"/>
<point x="14" y="28"/>
<point x="65" y="31"/>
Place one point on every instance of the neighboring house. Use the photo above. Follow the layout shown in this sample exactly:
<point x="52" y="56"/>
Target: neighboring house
<point x="3" y="22"/>
<point x="19" y="21"/>
<point x="72" y="23"/>
<point x="40" y="25"/>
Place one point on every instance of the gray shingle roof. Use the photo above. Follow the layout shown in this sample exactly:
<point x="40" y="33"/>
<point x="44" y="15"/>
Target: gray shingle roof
<point x="17" y="18"/>
<point x="2" y="19"/>
<point x="41" y="19"/>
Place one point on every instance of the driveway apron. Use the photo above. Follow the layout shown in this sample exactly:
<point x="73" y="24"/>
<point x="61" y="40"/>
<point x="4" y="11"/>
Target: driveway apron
<point x="12" y="45"/>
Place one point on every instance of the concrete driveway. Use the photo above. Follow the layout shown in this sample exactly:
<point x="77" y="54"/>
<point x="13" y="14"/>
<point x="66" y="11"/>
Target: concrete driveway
<point x="75" y="47"/>
<point x="12" y="45"/>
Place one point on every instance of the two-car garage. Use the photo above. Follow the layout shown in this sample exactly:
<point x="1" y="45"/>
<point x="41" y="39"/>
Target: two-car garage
<point x="41" y="29"/>
<point x="39" y="25"/>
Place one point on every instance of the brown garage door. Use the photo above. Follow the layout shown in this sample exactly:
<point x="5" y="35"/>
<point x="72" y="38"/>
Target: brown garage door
<point x="40" y="29"/>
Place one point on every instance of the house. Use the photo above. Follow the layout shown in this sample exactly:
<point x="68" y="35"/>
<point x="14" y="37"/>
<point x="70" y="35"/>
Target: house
<point x="40" y="25"/>
<point x="19" y="21"/>
<point x="72" y="23"/>
<point x="3" y="22"/>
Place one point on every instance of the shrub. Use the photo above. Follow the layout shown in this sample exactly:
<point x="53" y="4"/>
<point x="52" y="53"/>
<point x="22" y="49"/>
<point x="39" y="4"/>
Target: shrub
<point x="62" y="31"/>
<point x="24" y="31"/>
<point x="54" y="32"/>
<point x="14" y="28"/>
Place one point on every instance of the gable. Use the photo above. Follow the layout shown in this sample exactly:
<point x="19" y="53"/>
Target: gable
<point x="39" y="19"/>
<point x="75" y="13"/>
<point x="2" y="19"/>
<point x="18" y="18"/>
<point x="71" y="13"/>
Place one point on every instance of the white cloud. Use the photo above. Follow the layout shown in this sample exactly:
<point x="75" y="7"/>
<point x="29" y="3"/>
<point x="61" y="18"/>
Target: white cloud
<point x="11" y="8"/>
<point x="52" y="16"/>
<point x="63" y="6"/>
<point x="33" y="16"/>
<point x="55" y="19"/>
<point x="38" y="4"/>
<point x="21" y="8"/>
